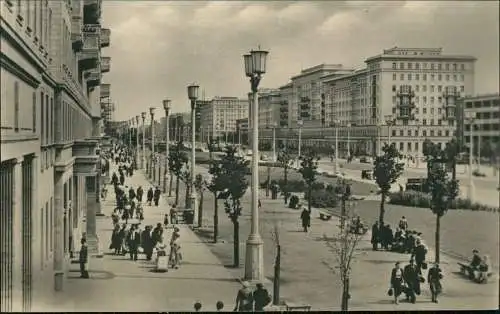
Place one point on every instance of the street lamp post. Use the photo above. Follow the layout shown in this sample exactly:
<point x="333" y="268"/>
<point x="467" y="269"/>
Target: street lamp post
<point x="470" y="116"/>
<point x="152" y="164"/>
<point x="130" y="124"/>
<point x="166" y="106"/>
<point x="143" y="155"/>
<point x="274" y="125"/>
<point x="300" y="123"/>
<point x="193" y="91"/>
<point x="255" y="67"/>
<point x="336" y="162"/>
<point x="348" y="126"/>
<point x="136" y="142"/>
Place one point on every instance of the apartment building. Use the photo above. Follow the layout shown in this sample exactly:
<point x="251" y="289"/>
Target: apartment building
<point x="486" y="124"/>
<point x="218" y="117"/>
<point x="51" y="69"/>
<point x="365" y="99"/>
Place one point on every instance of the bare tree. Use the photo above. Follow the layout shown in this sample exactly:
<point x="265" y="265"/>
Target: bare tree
<point x="344" y="245"/>
<point x="275" y="232"/>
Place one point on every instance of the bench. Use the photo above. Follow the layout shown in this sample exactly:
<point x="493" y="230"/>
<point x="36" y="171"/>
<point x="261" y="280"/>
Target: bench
<point x="323" y="215"/>
<point x="297" y="307"/>
<point x="465" y="270"/>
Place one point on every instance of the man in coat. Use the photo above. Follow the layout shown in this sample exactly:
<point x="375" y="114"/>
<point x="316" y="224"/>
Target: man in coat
<point x="305" y="216"/>
<point x="131" y="193"/>
<point x="375" y="235"/>
<point x="147" y="242"/>
<point x="134" y="240"/>
<point x="150" y="196"/>
<point x="434" y="277"/>
<point x="83" y="259"/>
<point x="412" y="279"/>
<point x="157" y="194"/>
<point x="139" y="193"/>
<point x="419" y="253"/>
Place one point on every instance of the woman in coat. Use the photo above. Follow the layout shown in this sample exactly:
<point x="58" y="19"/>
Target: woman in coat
<point x="397" y="281"/>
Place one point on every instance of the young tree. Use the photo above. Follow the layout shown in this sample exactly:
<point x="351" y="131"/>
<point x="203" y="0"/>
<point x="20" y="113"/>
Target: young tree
<point x="233" y="179"/>
<point x="215" y="186"/>
<point x="451" y="151"/>
<point x="186" y="178"/>
<point x="199" y="185"/>
<point x="177" y="159"/>
<point x="277" y="265"/>
<point x="387" y="170"/>
<point x="308" y="168"/>
<point x="285" y="160"/>
<point x="344" y="245"/>
<point x="443" y="189"/>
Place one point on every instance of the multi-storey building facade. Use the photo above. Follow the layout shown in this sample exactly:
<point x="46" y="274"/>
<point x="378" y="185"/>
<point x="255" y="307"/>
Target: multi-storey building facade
<point x="178" y="125"/>
<point x="269" y="105"/>
<point x="486" y="124"/>
<point x="218" y="118"/>
<point x="51" y="69"/>
<point x="366" y="99"/>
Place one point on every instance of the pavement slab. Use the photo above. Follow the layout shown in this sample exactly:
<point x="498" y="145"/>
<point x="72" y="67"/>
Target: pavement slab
<point x="118" y="284"/>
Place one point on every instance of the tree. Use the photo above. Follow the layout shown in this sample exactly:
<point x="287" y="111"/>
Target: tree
<point x="344" y="245"/>
<point x="451" y="151"/>
<point x="177" y="160"/>
<point x="187" y="179"/>
<point x="443" y="190"/>
<point x="199" y="185"/>
<point x="277" y="265"/>
<point x="215" y="185"/>
<point x="386" y="170"/>
<point x="285" y="160"/>
<point x="233" y="179"/>
<point x="308" y="168"/>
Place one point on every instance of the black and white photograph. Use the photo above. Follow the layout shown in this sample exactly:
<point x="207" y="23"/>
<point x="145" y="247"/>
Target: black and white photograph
<point x="249" y="156"/>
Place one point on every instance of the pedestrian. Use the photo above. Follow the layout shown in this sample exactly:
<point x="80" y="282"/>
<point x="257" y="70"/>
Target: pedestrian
<point x="259" y="204"/>
<point x="219" y="306"/>
<point x="244" y="299"/>
<point x="173" y="215"/>
<point x="122" y="235"/>
<point x="131" y="193"/>
<point x="434" y="277"/>
<point x="403" y="223"/>
<point x="122" y="179"/>
<point x="261" y="297"/>
<point x="157" y="235"/>
<point x="174" y="251"/>
<point x="419" y="253"/>
<point x="83" y="259"/>
<point x="412" y="280"/>
<point x="305" y="216"/>
<point x="134" y="240"/>
<point x="115" y="240"/>
<point x="150" y="196"/>
<point x="147" y="242"/>
<point x="396" y="282"/>
<point x="157" y="194"/>
<point x="139" y="193"/>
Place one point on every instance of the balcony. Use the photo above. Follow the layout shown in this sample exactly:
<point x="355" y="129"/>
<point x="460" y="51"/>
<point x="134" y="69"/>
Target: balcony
<point x="105" y="64"/>
<point x="89" y="56"/>
<point x="91" y="11"/>
<point x="93" y="77"/>
<point x="105" y="90"/>
<point x="105" y="37"/>
<point x="76" y="33"/>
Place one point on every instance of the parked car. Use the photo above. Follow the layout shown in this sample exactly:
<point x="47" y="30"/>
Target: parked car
<point x="366" y="160"/>
<point x="366" y="174"/>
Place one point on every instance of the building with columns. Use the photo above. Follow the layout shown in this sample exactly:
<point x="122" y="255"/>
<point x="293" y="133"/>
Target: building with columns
<point x="51" y="69"/>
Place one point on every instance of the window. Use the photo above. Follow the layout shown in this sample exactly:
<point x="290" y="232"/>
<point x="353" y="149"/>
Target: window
<point x="393" y="100"/>
<point x="401" y="146"/>
<point x="417" y="111"/>
<point x="52" y="115"/>
<point x="401" y="133"/>
<point x="33" y="109"/>
<point x="416" y="146"/>
<point x="462" y="88"/>
<point x="447" y="66"/>
<point x="42" y="118"/>
<point x="393" y="88"/>
<point x="401" y="66"/>
<point x="409" y="146"/>
<point x="28" y="15"/>
<point x="461" y="77"/>
<point x="462" y="66"/>
<point x="440" y="99"/>
<point x="432" y="109"/>
<point x="417" y="66"/>
<point x="401" y="77"/>
<point x="424" y="132"/>
<point x="49" y="122"/>
<point x="432" y="122"/>
<point x="393" y="132"/>
<point x="432" y="77"/>
<point x="447" y="77"/>
<point x="417" y="88"/>
<point x="440" y="66"/>
<point x="440" y="122"/>
<point x="439" y="110"/>
<point x="417" y="77"/>
<point x="16" y="106"/>
<point x="424" y="65"/>
<point x="432" y="132"/>
<point x="432" y="66"/>
<point x="424" y="88"/>
<point x="432" y="88"/>
<point x="409" y="133"/>
<point x="409" y="66"/>
<point x="425" y="77"/>
<point x="447" y="133"/>
<point x="440" y="77"/>
<point x="409" y="76"/>
<point x="393" y="76"/>
<point x="454" y="77"/>
<point x="432" y="103"/>
<point x="417" y="99"/>
<point x="394" y="65"/>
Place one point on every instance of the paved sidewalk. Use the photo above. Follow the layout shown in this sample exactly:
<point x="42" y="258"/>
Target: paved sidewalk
<point x="119" y="284"/>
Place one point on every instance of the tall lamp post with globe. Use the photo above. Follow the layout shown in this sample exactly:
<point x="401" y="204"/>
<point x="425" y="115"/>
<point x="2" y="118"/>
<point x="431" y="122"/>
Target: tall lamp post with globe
<point x="143" y="154"/>
<point x="166" y="107"/>
<point x="255" y="67"/>
<point x="152" y="163"/>
<point x="193" y="91"/>
<point x="137" y="142"/>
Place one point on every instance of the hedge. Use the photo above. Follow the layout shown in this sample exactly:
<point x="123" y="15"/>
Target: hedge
<point x="322" y="199"/>
<point x="423" y="200"/>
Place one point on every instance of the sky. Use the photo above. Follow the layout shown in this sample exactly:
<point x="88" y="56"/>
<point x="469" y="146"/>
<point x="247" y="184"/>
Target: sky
<point x="158" y="48"/>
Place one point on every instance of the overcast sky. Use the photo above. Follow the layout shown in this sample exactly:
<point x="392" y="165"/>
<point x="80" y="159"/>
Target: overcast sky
<point x="160" y="47"/>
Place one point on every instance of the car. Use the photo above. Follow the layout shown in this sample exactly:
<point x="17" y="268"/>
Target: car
<point x="366" y="174"/>
<point x="366" y="160"/>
